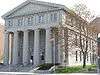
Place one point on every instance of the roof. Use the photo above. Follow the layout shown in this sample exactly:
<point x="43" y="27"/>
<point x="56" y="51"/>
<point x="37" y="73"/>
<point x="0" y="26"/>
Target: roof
<point x="96" y="24"/>
<point x="35" y="2"/>
<point x="96" y="20"/>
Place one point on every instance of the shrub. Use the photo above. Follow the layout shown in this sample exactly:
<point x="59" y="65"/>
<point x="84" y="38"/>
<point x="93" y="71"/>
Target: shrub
<point x="45" y="66"/>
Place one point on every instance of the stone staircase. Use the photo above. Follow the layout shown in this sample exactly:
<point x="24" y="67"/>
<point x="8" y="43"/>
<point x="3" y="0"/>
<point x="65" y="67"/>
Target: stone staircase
<point x="25" y="68"/>
<point x="17" y="68"/>
<point x="42" y="72"/>
<point x="20" y="68"/>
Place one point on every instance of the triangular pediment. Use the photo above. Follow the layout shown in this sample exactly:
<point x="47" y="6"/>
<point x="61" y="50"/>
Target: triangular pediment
<point x="30" y="7"/>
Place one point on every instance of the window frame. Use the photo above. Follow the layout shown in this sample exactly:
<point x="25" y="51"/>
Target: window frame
<point x="53" y="17"/>
<point x="19" y="21"/>
<point x="41" y="18"/>
<point x="29" y="21"/>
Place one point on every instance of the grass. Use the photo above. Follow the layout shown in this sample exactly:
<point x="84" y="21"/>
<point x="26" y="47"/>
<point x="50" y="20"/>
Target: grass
<point x="76" y="69"/>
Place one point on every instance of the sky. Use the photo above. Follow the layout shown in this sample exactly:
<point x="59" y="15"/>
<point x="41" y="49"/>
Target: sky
<point x="7" y="5"/>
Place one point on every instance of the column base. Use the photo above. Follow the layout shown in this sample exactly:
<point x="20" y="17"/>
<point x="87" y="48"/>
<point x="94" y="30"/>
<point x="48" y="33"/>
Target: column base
<point x="5" y="62"/>
<point x="25" y="63"/>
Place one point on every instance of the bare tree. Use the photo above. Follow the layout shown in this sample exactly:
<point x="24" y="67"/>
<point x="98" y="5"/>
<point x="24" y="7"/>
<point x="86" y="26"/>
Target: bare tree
<point x="84" y="29"/>
<point x="75" y="21"/>
<point x="82" y="10"/>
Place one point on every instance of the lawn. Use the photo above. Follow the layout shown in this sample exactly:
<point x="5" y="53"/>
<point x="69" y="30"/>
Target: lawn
<point x="76" y="69"/>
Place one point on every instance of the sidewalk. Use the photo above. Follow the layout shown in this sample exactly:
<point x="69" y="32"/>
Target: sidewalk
<point x="27" y="73"/>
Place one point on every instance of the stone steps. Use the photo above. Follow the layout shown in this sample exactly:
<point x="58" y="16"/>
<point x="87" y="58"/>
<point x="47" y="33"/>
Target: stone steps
<point x="18" y="68"/>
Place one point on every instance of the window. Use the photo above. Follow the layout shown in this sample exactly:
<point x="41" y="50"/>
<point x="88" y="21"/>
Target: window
<point x="9" y="23"/>
<point x="53" y="17"/>
<point x="29" y="20"/>
<point x="90" y="57"/>
<point x="87" y="56"/>
<point x="83" y="42"/>
<point x="90" y="44"/>
<point x="76" y="56"/>
<point x="76" y="40"/>
<point x="18" y="53"/>
<point x="19" y="22"/>
<point x="80" y="56"/>
<point x="40" y="18"/>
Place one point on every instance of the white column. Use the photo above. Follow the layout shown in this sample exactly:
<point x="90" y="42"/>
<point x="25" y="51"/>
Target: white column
<point x="6" y="49"/>
<point x="15" y="49"/>
<point x="36" y="47"/>
<point x="48" y="51"/>
<point x="25" y="49"/>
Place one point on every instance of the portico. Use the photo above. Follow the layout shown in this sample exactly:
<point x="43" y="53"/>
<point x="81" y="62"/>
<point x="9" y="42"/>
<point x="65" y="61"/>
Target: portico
<point x="29" y="47"/>
<point x="29" y="34"/>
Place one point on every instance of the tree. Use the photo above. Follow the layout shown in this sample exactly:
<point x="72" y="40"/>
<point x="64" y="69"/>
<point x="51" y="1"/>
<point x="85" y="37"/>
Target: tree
<point x="74" y="22"/>
<point x="84" y="28"/>
<point x="82" y="10"/>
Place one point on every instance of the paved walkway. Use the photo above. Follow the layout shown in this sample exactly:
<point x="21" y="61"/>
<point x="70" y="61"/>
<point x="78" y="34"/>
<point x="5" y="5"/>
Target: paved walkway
<point x="26" y="73"/>
<point x="27" y="70"/>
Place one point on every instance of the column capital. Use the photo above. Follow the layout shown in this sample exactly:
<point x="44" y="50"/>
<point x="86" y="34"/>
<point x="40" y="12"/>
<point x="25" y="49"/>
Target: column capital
<point x="48" y="28"/>
<point x="38" y="29"/>
<point x="6" y="32"/>
<point x="26" y="31"/>
<point x="15" y="32"/>
<point x="6" y="35"/>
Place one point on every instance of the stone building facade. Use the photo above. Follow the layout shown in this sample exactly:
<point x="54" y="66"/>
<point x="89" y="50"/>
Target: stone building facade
<point x="33" y="32"/>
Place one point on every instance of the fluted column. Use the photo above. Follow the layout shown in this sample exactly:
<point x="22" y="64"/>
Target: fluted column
<point x="15" y="49"/>
<point x="48" y="49"/>
<point x="6" y="49"/>
<point x="36" y="47"/>
<point x="25" y="49"/>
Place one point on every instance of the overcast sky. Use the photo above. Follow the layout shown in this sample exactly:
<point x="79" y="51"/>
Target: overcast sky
<point x="7" y="5"/>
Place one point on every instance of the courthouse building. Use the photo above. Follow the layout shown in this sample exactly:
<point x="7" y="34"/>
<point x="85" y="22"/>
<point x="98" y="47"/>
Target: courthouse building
<point x="30" y="35"/>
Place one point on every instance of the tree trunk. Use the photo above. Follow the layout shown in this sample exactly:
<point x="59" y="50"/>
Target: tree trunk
<point x="66" y="46"/>
<point x="84" y="60"/>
